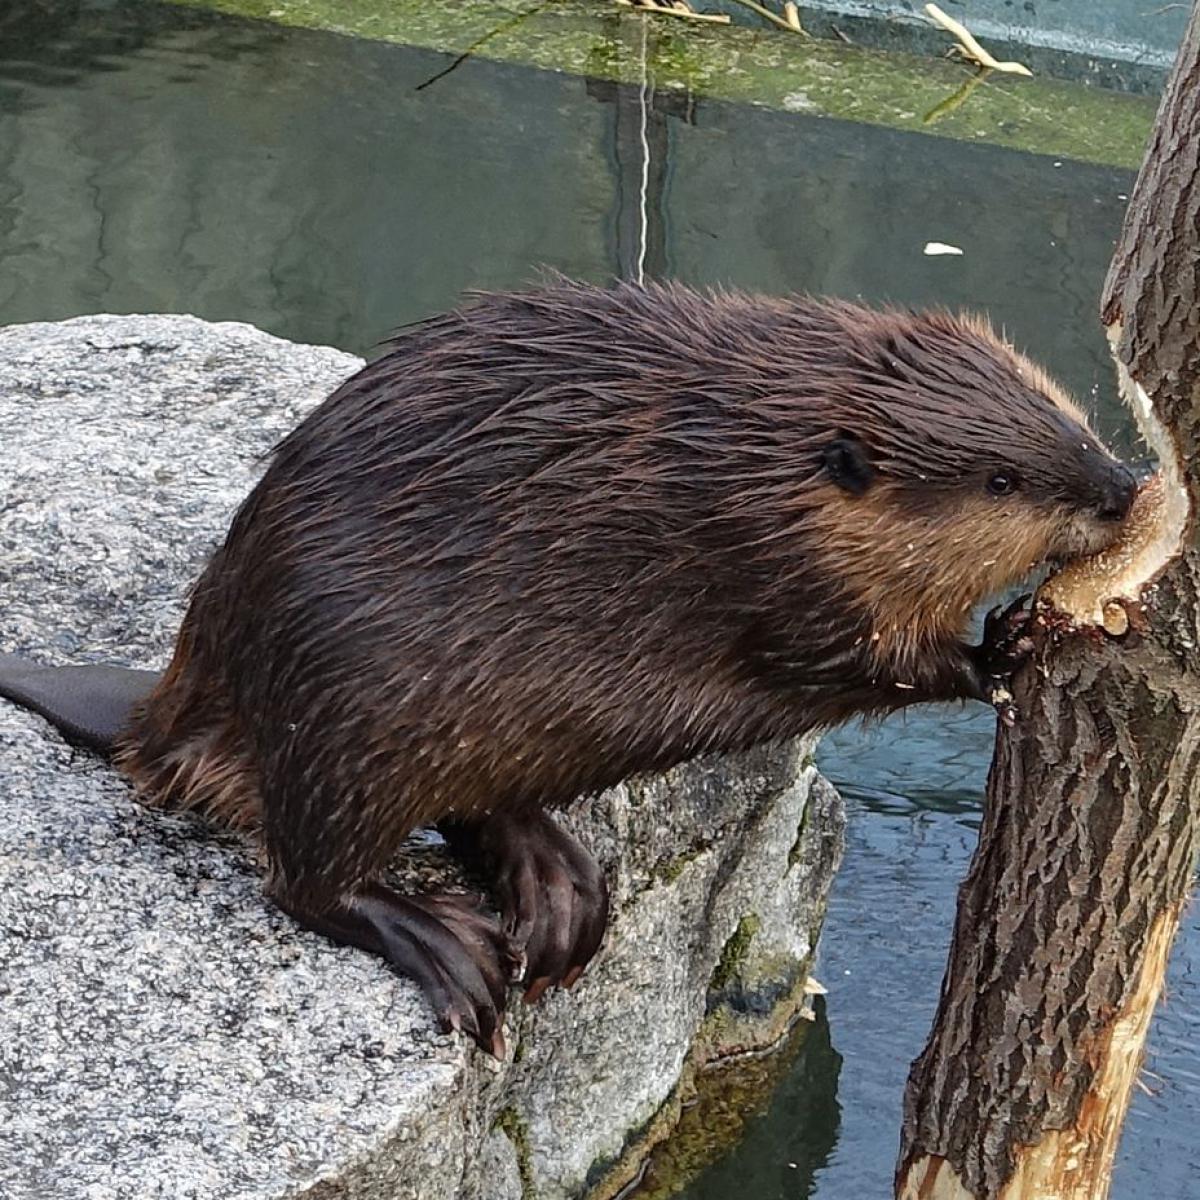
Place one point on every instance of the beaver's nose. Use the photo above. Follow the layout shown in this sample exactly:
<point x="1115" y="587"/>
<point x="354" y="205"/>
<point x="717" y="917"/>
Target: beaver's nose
<point x="1117" y="497"/>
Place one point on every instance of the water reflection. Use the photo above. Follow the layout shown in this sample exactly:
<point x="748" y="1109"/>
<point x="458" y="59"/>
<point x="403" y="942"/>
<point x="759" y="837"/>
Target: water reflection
<point x="157" y="158"/>
<point x="914" y="798"/>
<point x="806" y="1099"/>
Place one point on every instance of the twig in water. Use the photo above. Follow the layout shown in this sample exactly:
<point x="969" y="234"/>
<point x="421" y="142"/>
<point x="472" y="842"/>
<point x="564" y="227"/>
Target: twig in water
<point x="968" y="47"/>
<point x="668" y="10"/>
<point x="774" y="18"/>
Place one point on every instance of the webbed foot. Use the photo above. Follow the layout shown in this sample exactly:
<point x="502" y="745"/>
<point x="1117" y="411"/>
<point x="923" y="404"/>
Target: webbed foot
<point x="553" y="896"/>
<point x="458" y="955"/>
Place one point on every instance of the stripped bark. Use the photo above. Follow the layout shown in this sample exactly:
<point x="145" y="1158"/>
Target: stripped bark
<point x="1089" y="843"/>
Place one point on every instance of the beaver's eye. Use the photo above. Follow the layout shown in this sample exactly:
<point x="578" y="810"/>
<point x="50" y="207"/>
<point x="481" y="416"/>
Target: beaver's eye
<point x="846" y="460"/>
<point x="1002" y="483"/>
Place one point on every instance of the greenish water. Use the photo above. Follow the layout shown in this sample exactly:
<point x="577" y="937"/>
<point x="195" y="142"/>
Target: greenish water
<point x="162" y="159"/>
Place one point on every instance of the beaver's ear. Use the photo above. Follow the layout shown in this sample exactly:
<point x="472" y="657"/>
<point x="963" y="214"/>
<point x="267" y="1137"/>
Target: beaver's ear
<point x="845" y="458"/>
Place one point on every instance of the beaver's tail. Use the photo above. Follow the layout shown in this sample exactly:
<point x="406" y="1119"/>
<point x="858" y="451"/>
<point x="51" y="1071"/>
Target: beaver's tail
<point x="91" y="705"/>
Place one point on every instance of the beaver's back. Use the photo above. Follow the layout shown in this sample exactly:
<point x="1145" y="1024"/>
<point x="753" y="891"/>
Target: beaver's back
<point x="509" y="555"/>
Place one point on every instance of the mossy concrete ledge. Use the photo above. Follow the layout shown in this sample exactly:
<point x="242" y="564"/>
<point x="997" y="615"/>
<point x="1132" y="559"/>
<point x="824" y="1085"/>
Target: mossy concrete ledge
<point x="765" y="67"/>
<point x="164" y="1032"/>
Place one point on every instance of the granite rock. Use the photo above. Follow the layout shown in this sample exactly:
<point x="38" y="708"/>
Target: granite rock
<point x="164" y="1031"/>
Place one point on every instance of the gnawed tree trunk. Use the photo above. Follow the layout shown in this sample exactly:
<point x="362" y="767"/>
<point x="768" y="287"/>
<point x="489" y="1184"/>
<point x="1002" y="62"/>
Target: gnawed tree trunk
<point x="1089" y="842"/>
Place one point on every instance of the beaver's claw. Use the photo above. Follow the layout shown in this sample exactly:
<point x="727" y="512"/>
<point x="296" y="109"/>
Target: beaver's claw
<point x="553" y="896"/>
<point x="1006" y="644"/>
<point x="456" y="952"/>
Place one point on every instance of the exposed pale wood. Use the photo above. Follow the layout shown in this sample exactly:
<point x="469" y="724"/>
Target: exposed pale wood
<point x="1086" y="590"/>
<point x="932" y="1178"/>
<point x="1071" y="1164"/>
<point x="1078" y="1161"/>
<point x="1089" y="842"/>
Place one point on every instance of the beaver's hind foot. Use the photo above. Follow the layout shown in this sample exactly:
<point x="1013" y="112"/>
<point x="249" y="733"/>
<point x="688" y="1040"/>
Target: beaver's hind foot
<point x="455" y="952"/>
<point x="553" y="896"/>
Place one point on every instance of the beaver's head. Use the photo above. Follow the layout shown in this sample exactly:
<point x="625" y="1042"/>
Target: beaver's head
<point x="957" y="467"/>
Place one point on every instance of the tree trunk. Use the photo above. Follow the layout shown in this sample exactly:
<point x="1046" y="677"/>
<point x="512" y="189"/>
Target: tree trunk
<point x="1089" y="843"/>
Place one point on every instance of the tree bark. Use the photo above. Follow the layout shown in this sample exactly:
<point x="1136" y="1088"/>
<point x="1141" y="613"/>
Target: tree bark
<point x="1089" y="843"/>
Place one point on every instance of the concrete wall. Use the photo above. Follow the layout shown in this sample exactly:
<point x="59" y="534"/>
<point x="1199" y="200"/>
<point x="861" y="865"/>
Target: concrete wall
<point x="1124" y="29"/>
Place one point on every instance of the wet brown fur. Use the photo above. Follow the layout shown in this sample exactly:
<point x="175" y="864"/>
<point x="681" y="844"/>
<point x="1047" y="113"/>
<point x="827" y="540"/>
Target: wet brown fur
<point x="556" y="538"/>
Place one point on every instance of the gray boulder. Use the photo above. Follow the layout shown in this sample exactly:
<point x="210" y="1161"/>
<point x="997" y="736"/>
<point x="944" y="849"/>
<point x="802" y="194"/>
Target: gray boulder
<point x="164" y="1031"/>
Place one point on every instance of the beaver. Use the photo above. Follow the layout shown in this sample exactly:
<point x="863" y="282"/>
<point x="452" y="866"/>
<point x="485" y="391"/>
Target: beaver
<point x="557" y="537"/>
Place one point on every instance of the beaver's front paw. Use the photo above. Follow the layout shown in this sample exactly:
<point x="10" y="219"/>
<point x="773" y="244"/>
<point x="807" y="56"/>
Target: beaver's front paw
<point x="1007" y="643"/>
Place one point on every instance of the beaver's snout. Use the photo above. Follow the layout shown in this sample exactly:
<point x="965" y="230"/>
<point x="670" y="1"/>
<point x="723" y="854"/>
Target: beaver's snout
<point x="1117" y="493"/>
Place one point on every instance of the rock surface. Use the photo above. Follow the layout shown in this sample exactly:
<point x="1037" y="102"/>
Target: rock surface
<point x="165" y="1032"/>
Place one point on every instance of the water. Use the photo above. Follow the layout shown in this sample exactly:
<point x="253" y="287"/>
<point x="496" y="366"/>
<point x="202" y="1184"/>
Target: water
<point x="154" y="159"/>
